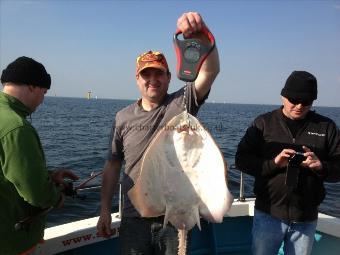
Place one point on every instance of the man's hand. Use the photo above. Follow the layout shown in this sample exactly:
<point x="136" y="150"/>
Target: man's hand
<point x="312" y="161"/>
<point x="190" y="23"/>
<point x="104" y="225"/>
<point x="282" y="159"/>
<point x="58" y="177"/>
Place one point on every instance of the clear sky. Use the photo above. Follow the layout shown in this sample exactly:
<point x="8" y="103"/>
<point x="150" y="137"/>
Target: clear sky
<point x="92" y="45"/>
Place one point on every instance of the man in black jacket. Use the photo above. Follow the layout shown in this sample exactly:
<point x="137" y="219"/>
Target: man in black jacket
<point x="290" y="151"/>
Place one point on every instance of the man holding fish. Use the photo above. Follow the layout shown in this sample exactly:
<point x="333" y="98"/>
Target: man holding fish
<point x="129" y="141"/>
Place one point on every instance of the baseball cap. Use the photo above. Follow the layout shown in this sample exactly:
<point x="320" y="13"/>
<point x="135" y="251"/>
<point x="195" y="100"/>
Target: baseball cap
<point x="154" y="59"/>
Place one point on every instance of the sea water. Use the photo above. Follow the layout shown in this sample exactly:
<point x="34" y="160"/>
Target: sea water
<point x="75" y="134"/>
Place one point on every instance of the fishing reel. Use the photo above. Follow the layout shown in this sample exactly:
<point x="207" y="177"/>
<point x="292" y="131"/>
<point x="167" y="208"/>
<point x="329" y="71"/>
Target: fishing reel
<point x="190" y="54"/>
<point x="70" y="191"/>
<point x="73" y="192"/>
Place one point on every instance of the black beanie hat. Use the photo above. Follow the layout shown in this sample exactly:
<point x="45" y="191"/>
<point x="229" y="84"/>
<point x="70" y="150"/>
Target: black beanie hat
<point x="26" y="70"/>
<point x="300" y="85"/>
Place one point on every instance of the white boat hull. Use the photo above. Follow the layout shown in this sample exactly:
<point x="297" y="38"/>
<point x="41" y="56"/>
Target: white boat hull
<point x="82" y="234"/>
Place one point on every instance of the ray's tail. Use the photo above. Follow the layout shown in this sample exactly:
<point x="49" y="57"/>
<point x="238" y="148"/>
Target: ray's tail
<point x="182" y="239"/>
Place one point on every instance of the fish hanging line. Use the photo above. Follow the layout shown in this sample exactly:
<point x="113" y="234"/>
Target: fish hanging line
<point x="185" y="103"/>
<point x="187" y="115"/>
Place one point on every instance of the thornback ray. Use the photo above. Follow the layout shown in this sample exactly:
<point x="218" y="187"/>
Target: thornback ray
<point x="183" y="176"/>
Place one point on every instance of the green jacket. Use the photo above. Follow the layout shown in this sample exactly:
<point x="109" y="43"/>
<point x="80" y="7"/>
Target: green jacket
<point x="25" y="185"/>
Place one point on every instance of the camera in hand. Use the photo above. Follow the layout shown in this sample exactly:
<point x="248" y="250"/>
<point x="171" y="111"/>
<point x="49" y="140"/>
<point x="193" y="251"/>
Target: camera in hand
<point x="293" y="169"/>
<point x="296" y="159"/>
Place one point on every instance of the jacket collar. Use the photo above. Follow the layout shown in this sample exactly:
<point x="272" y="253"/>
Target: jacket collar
<point x="308" y="116"/>
<point x="15" y="104"/>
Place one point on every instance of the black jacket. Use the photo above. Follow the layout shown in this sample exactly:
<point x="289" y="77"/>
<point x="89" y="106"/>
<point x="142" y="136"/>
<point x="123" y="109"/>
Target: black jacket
<point x="265" y="139"/>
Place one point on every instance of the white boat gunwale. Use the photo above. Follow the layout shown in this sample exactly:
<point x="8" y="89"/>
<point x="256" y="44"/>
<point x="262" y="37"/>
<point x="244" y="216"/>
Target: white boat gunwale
<point x="83" y="232"/>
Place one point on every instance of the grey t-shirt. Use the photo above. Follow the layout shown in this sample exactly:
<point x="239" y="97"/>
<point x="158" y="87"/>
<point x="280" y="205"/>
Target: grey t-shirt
<point x="134" y="129"/>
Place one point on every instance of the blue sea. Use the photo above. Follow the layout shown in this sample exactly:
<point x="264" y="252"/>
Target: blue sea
<point x="75" y="134"/>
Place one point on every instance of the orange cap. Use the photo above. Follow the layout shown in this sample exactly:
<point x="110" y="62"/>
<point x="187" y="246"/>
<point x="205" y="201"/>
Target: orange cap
<point x="154" y="59"/>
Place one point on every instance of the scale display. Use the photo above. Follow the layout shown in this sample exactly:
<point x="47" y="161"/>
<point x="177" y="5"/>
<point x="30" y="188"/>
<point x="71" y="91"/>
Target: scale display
<point x="192" y="54"/>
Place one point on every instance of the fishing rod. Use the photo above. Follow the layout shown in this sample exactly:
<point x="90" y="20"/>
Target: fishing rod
<point x="92" y="176"/>
<point x="23" y="224"/>
<point x="90" y="187"/>
<point x="73" y="191"/>
<point x="68" y="191"/>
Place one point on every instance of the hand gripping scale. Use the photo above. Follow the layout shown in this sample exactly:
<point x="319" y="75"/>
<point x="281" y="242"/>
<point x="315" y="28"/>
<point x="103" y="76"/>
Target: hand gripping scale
<point x="190" y="54"/>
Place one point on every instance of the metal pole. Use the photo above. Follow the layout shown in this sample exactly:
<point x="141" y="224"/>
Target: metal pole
<point x="120" y="201"/>
<point x="241" y="198"/>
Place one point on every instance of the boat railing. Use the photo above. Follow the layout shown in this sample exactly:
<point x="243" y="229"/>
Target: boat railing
<point x="120" y="203"/>
<point x="241" y="197"/>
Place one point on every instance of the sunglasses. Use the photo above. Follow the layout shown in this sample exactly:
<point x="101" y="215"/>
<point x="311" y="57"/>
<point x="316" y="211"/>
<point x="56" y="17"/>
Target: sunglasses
<point x="299" y="101"/>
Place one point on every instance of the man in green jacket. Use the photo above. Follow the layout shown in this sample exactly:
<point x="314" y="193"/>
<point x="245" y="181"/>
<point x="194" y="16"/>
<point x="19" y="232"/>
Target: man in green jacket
<point x="26" y="187"/>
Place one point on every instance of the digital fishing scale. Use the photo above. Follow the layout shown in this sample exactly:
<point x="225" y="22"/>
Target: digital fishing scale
<point x="190" y="54"/>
